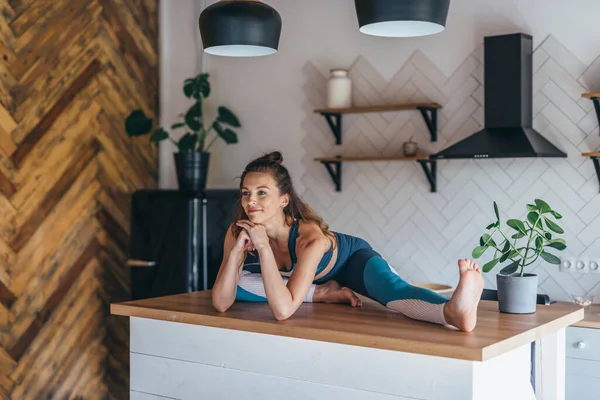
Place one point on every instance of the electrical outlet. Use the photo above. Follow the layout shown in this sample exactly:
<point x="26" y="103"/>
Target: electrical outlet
<point x="568" y="264"/>
<point x="580" y="265"/>
<point x="594" y="265"/>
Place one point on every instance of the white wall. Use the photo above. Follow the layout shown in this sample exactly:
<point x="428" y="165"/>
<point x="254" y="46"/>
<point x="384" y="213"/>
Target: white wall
<point x="267" y="92"/>
<point x="180" y="58"/>
<point x="274" y="97"/>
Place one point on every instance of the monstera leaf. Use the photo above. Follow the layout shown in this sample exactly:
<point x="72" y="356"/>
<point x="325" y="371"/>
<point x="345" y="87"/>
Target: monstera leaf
<point x="197" y="87"/>
<point x="137" y="123"/>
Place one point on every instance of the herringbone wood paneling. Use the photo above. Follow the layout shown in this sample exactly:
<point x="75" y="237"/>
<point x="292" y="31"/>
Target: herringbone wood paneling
<point x="70" y="72"/>
<point x="422" y="234"/>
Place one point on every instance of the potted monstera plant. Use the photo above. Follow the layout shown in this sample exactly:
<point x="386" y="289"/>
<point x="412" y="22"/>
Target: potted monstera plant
<point x="192" y="158"/>
<point x="528" y="240"/>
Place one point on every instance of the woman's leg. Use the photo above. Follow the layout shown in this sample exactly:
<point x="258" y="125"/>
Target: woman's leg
<point x="367" y="273"/>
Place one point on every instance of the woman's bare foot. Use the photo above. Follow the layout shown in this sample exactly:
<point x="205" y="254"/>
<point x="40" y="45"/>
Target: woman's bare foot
<point x="332" y="292"/>
<point x="461" y="310"/>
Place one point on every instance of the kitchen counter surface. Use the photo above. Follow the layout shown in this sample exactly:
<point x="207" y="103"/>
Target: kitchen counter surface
<point x="591" y="318"/>
<point x="369" y="326"/>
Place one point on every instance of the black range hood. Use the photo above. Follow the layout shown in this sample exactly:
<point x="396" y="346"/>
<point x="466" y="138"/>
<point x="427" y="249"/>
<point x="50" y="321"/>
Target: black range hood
<point x="508" y="106"/>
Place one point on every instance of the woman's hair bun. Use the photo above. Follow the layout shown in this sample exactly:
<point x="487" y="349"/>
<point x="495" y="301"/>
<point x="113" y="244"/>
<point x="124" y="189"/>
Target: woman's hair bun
<point x="273" y="157"/>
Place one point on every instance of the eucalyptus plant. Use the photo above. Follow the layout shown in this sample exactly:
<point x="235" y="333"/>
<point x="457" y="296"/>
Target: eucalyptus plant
<point x="531" y="239"/>
<point x="198" y="89"/>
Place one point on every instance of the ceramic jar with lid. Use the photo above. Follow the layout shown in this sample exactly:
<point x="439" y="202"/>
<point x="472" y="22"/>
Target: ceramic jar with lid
<point x="339" y="89"/>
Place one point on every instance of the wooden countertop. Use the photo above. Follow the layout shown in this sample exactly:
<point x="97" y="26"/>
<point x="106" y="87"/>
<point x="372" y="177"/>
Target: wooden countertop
<point x="369" y="326"/>
<point x="592" y="317"/>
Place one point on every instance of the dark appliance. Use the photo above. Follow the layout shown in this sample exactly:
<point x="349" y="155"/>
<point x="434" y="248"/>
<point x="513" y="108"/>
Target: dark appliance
<point x="176" y="243"/>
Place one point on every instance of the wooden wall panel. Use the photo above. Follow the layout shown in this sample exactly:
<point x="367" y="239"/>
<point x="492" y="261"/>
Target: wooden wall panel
<point x="70" y="72"/>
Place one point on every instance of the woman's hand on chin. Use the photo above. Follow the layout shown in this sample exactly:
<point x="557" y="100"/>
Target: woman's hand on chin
<point x="257" y="233"/>
<point x="243" y="243"/>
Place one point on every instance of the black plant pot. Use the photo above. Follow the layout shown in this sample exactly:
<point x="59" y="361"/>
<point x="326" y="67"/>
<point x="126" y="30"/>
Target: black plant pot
<point x="192" y="169"/>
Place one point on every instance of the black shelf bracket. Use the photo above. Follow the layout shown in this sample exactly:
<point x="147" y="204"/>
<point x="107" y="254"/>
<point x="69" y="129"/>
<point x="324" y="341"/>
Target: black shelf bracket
<point x="430" y="169"/>
<point x="334" y="120"/>
<point x="596" y="101"/>
<point x="335" y="123"/>
<point x="335" y="171"/>
<point x="596" y="161"/>
<point x="430" y="116"/>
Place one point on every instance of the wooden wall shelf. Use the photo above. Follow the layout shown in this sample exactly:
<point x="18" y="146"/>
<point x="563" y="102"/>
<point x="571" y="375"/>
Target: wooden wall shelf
<point x="381" y="108"/>
<point x="334" y="119"/>
<point x="595" y="97"/>
<point x="334" y="115"/>
<point x="382" y="158"/>
<point x="596" y="160"/>
<point x="334" y="167"/>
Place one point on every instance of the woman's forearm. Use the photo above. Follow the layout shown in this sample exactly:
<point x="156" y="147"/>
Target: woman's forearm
<point x="225" y="287"/>
<point x="278" y="296"/>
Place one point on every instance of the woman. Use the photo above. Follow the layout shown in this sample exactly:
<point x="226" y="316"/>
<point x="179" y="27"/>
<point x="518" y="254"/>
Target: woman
<point x="301" y="260"/>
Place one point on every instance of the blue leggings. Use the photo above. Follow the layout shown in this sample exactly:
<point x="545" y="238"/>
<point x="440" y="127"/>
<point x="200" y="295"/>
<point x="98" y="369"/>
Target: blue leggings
<point x="366" y="273"/>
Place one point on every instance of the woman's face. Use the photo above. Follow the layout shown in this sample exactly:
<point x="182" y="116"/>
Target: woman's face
<point x="260" y="197"/>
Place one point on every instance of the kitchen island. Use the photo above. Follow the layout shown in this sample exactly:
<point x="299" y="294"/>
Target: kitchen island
<point x="182" y="348"/>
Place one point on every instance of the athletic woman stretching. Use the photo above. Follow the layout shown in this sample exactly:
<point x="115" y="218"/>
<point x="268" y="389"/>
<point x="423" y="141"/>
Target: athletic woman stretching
<point x="301" y="260"/>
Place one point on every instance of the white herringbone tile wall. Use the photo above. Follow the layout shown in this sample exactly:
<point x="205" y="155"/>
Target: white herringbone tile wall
<point x="422" y="234"/>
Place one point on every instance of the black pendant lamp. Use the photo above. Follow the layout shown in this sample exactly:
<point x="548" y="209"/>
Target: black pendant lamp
<point x="401" y="18"/>
<point x="240" y="28"/>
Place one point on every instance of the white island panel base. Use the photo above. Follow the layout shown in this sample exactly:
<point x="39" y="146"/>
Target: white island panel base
<point x="184" y="361"/>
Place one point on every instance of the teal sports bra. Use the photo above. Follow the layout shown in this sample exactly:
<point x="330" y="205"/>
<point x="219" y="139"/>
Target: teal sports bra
<point x="346" y="245"/>
<point x="292" y="249"/>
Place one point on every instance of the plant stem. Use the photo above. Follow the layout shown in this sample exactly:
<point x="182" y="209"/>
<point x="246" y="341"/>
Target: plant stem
<point x="529" y="242"/>
<point x="536" y="257"/>
<point x="201" y="137"/>
<point x="513" y="247"/>
<point x="212" y="141"/>
<point x="200" y="141"/>
<point x="200" y="104"/>
<point x="541" y="232"/>
<point x="528" y="248"/>
<point x="538" y="230"/>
